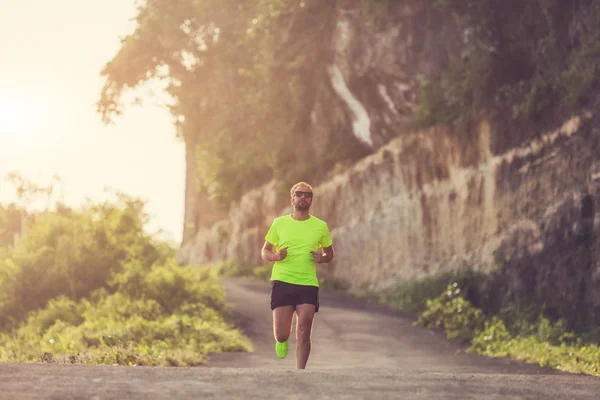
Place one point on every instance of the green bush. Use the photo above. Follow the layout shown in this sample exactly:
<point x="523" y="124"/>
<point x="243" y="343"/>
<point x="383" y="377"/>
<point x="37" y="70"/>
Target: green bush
<point x="452" y="313"/>
<point x="493" y="339"/>
<point x="550" y="347"/>
<point x="412" y="295"/>
<point x="545" y="343"/>
<point x="106" y="292"/>
<point x="58" y="309"/>
<point x="158" y="328"/>
<point x="74" y="252"/>
<point x="172" y="287"/>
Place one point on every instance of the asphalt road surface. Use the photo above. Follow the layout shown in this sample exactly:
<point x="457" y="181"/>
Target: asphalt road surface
<point x="360" y="351"/>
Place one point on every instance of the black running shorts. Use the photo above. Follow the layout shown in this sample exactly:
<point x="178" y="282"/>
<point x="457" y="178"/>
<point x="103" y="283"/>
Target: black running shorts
<point x="288" y="294"/>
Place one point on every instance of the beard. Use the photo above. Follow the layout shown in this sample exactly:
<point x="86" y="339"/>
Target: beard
<point x="302" y="205"/>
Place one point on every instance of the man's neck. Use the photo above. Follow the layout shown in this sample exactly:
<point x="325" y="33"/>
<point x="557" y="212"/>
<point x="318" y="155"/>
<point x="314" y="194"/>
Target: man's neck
<point x="301" y="215"/>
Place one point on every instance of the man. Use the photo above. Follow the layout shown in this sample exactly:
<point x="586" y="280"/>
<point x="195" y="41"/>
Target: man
<point x="296" y="243"/>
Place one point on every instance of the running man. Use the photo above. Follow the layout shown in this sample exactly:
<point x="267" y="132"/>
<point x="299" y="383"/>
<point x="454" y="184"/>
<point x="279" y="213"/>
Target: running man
<point x="296" y="243"/>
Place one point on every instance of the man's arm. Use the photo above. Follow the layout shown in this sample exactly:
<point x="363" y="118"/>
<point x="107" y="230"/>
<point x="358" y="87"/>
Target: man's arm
<point x="324" y="255"/>
<point x="269" y="255"/>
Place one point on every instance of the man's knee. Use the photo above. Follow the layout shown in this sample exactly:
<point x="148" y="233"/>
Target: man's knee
<point x="282" y="336"/>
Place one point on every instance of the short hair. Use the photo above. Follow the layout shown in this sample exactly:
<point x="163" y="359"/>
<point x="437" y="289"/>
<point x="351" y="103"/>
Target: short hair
<point x="296" y="187"/>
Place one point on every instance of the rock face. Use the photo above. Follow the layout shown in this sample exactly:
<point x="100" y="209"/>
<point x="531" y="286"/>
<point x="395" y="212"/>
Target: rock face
<point x="426" y="202"/>
<point x="422" y="205"/>
<point x="367" y="90"/>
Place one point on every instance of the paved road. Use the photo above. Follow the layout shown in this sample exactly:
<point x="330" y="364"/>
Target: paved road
<point x="360" y="351"/>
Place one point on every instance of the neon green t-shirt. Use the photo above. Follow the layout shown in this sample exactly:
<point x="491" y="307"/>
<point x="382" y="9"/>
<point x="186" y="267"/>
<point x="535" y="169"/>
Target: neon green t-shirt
<point x="301" y="238"/>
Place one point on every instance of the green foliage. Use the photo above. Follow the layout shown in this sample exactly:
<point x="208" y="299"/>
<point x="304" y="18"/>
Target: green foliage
<point x="152" y="329"/>
<point x="243" y="76"/>
<point x="551" y="346"/>
<point x="59" y="308"/>
<point x="531" y="57"/>
<point x="542" y="342"/>
<point x="452" y="313"/>
<point x="488" y="341"/>
<point x="495" y="293"/>
<point x="72" y="253"/>
<point x="170" y="286"/>
<point x="412" y="295"/>
<point x="90" y="286"/>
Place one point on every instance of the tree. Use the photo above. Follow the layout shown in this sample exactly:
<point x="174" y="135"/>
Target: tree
<point x="243" y="77"/>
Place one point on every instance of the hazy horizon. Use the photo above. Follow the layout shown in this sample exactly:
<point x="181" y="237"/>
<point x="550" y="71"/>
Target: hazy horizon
<point x="50" y="81"/>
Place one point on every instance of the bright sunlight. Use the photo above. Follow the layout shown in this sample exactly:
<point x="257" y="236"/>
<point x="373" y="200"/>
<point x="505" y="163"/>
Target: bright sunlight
<point x="32" y="112"/>
<point x="13" y="116"/>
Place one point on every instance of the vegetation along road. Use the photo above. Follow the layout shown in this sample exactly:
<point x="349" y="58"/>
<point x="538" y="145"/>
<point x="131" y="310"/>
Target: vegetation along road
<point x="359" y="351"/>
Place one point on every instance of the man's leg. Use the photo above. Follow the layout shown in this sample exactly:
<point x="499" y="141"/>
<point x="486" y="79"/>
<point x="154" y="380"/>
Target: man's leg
<point x="282" y="322"/>
<point x="305" y="316"/>
<point x="282" y="326"/>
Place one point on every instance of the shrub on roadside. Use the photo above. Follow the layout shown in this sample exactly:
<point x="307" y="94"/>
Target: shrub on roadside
<point x="412" y="295"/>
<point x="92" y="286"/>
<point x="543" y="342"/>
<point x="452" y="313"/>
<point x="156" y="328"/>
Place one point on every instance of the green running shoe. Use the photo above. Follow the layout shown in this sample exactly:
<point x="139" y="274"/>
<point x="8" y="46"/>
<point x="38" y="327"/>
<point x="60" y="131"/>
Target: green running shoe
<point x="281" y="348"/>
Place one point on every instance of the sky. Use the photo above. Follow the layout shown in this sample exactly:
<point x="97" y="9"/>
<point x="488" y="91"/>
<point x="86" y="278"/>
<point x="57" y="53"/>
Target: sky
<point x="51" y="55"/>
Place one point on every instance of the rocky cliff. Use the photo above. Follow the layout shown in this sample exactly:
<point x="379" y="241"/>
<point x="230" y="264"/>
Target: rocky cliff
<point x="367" y="91"/>
<point x="423" y="205"/>
<point x="426" y="202"/>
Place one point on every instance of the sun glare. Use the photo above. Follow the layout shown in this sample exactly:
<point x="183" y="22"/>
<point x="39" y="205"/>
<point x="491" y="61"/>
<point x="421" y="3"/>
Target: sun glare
<point x="13" y="116"/>
<point x="26" y="113"/>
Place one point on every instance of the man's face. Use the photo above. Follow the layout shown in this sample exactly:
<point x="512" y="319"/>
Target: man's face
<point x="302" y="199"/>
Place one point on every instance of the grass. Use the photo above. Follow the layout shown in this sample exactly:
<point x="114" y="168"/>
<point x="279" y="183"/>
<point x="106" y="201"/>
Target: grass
<point x="569" y="354"/>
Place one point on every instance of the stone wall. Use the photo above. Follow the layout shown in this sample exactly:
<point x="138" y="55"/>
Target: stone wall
<point x="423" y="205"/>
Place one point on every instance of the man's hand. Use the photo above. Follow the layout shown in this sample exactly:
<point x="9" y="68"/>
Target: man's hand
<point x="281" y="254"/>
<point x="323" y="255"/>
<point x="318" y="256"/>
<point x="269" y="254"/>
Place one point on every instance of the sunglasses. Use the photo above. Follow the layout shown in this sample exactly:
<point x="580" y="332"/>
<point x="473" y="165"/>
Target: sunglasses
<point x="298" y="193"/>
